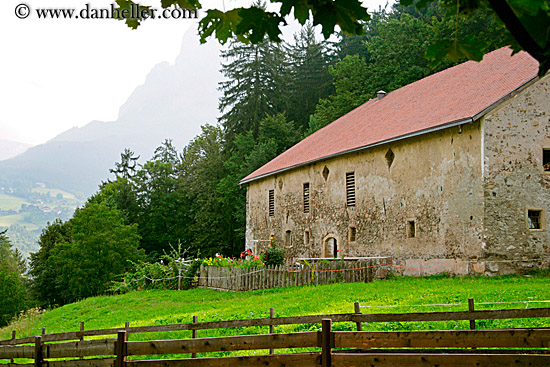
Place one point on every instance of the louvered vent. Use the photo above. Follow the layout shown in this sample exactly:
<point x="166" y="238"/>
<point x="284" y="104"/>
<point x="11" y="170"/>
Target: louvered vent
<point x="306" y="197"/>
<point x="350" y="188"/>
<point x="271" y="203"/>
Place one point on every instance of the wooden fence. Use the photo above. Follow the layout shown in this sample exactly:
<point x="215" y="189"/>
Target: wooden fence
<point x="504" y="347"/>
<point x="314" y="271"/>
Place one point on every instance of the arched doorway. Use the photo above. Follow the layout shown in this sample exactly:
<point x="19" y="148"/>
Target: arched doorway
<point x="330" y="248"/>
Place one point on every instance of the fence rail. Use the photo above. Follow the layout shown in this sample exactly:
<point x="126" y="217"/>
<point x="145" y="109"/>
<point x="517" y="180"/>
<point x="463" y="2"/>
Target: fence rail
<point x="314" y="271"/>
<point x="520" y="346"/>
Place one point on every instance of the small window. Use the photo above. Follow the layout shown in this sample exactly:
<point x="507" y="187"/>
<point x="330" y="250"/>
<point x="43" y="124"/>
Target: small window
<point x="534" y="219"/>
<point x="306" y="197"/>
<point x="546" y="160"/>
<point x="307" y="236"/>
<point x="288" y="238"/>
<point x="325" y="173"/>
<point x="411" y="229"/>
<point x="271" y="203"/>
<point x="352" y="234"/>
<point x="350" y="189"/>
<point x="389" y="157"/>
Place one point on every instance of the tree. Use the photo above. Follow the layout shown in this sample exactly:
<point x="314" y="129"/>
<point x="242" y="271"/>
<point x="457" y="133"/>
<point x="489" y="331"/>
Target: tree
<point x="350" y="77"/>
<point x="12" y="256"/>
<point x="13" y="291"/>
<point x="255" y="86"/>
<point x="126" y="168"/>
<point x="82" y="257"/>
<point x="160" y="205"/>
<point x="201" y="170"/>
<point x="46" y="287"/>
<point x="12" y="284"/>
<point x="102" y="248"/>
<point x="310" y="79"/>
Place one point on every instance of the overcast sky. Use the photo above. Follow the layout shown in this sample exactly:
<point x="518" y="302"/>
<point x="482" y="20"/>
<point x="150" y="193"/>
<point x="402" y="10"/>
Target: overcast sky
<point x="56" y="74"/>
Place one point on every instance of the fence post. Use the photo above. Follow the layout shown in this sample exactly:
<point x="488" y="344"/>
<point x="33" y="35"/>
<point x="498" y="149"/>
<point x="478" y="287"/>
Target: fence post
<point x="271" y="326"/>
<point x="13" y="341"/>
<point x="38" y="358"/>
<point x="194" y="335"/>
<point x="120" y="349"/>
<point x="81" y="333"/>
<point x="358" y="311"/>
<point x="471" y="308"/>
<point x="326" y="342"/>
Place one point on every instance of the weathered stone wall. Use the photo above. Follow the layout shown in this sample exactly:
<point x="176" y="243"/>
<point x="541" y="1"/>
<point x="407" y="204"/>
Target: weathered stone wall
<point x="514" y="136"/>
<point x="434" y="179"/>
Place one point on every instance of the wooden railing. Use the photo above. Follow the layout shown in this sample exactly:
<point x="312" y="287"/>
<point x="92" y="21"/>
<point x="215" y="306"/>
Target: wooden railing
<point x="314" y="271"/>
<point x="504" y="347"/>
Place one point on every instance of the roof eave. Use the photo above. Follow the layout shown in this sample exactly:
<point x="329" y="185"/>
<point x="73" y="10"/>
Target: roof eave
<point x="406" y="136"/>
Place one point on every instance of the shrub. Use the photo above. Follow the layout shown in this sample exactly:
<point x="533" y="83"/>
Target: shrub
<point x="159" y="275"/>
<point x="274" y="255"/>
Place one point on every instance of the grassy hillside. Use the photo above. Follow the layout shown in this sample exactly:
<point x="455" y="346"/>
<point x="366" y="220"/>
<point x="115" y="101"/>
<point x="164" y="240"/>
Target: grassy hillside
<point x="9" y="220"/>
<point x="168" y="307"/>
<point x="10" y="202"/>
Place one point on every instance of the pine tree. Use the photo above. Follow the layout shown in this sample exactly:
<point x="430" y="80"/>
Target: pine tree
<point x="310" y="78"/>
<point x="256" y="85"/>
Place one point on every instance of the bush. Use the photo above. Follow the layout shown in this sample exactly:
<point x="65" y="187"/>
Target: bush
<point x="159" y="275"/>
<point x="274" y="256"/>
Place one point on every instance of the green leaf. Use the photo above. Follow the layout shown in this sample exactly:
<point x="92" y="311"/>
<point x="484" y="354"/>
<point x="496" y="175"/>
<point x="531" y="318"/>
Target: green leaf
<point x="223" y="24"/>
<point x="126" y="5"/>
<point x="470" y="48"/>
<point x="522" y="7"/>
<point x="538" y="27"/>
<point x="256" y="23"/>
<point x="301" y="11"/>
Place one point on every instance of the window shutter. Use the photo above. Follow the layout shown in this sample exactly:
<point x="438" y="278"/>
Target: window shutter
<point x="306" y="197"/>
<point x="350" y="188"/>
<point x="271" y="203"/>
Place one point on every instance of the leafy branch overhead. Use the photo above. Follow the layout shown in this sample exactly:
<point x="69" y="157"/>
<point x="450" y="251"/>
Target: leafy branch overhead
<point x="528" y="22"/>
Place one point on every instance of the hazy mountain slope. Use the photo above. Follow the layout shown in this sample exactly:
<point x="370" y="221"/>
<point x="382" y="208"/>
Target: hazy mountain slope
<point x="10" y="148"/>
<point x="172" y="103"/>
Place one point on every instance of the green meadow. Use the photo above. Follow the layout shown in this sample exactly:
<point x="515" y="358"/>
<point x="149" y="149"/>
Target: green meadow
<point x="398" y="294"/>
<point x="10" y="202"/>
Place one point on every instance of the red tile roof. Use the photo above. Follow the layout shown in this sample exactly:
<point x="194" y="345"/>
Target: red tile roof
<point x="459" y="93"/>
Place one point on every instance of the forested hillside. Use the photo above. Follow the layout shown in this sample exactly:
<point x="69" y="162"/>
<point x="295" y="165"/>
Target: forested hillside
<point x="272" y="96"/>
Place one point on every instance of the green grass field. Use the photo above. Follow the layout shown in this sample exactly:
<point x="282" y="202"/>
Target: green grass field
<point x="10" y="202"/>
<point x="169" y="307"/>
<point x="8" y="220"/>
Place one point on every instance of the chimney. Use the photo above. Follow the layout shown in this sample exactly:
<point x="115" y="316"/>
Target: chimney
<point x="380" y="94"/>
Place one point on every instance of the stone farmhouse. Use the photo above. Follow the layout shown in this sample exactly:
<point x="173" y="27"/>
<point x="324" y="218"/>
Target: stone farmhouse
<point x="448" y="174"/>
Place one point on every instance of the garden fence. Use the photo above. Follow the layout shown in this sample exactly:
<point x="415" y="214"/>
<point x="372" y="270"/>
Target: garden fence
<point x="306" y="272"/>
